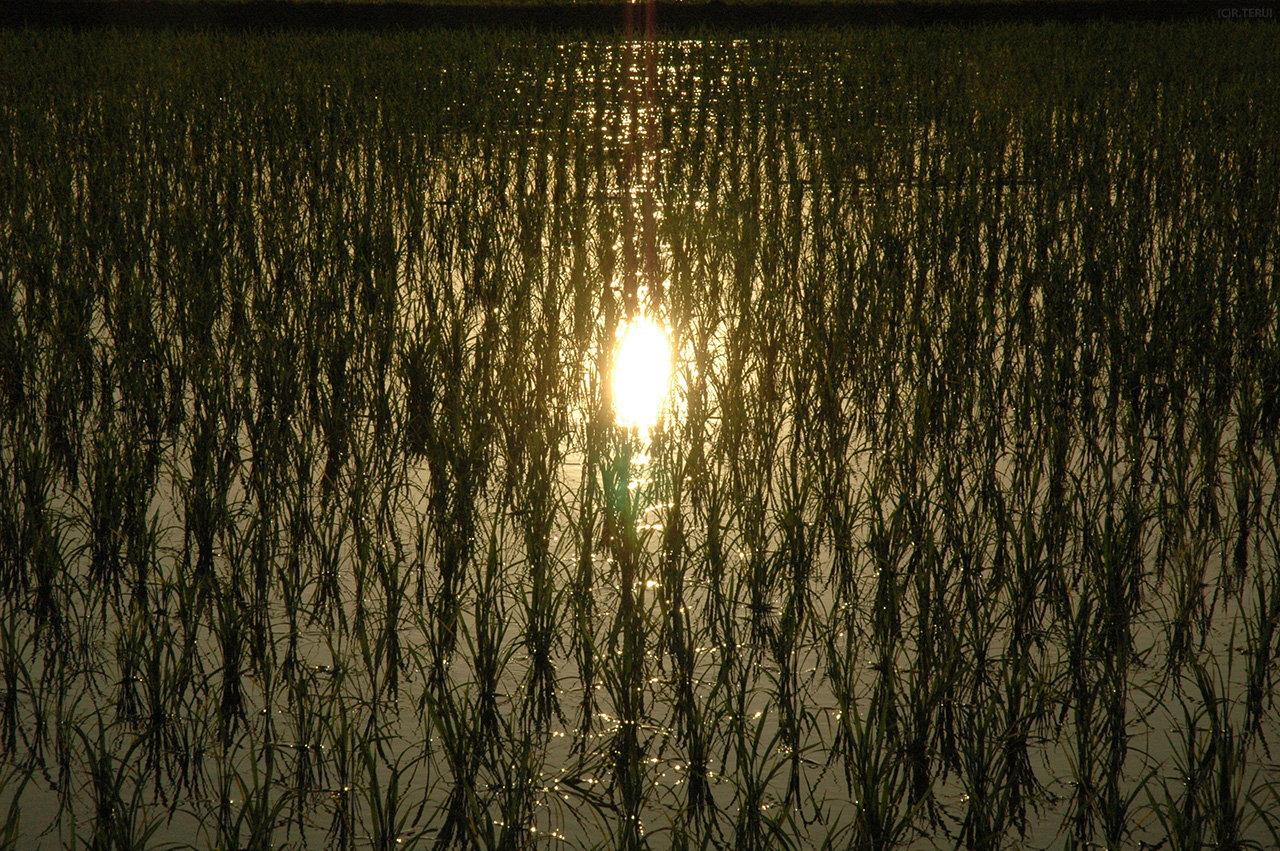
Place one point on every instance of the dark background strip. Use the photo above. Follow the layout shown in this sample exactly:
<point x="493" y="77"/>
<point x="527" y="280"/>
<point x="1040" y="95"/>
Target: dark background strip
<point x="158" y="14"/>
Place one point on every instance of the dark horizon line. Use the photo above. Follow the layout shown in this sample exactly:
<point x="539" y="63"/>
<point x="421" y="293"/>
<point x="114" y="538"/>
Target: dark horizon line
<point x="602" y="16"/>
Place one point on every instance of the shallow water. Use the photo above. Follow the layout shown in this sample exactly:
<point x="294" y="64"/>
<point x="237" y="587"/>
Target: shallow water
<point x="959" y="529"/>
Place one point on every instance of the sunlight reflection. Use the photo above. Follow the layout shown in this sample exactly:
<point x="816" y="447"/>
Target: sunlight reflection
<point x="641" y="374"/>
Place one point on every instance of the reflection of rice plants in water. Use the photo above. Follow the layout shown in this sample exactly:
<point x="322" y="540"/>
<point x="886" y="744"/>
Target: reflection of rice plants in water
<point x="959" y="527"/>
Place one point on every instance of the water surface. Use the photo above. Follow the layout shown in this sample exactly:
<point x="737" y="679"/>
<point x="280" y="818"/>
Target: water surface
<point x="959" y="528"/>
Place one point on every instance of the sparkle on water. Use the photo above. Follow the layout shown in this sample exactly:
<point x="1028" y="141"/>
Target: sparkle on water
<point x="641" y="374"/>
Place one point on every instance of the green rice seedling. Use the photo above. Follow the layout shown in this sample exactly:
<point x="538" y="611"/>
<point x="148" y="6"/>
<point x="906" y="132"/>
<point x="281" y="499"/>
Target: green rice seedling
<point x="118" y="821"/>
<point x="308" y="715"/>
<point x="10" y="516"/>
<point x="515" y="777"/>
<point x="1263" y="802"/>
<point x="1190" y="612"/>
<point x="542" y="600"/>
<point x="681" y="636"/>
<point x="10" y="831"/>
<point x="1208" y="772"/>
<point x="457" y="469"/>
<point x="128" y="653"/>
<point x="583" y="589"/>
<point x="394" y="584"/>
<point x="788" y="639"/>
<point x="389" y="822"/>
<point x="1260" y="640"/>
<point x="978" y="754"/>
<point x="1027" y="718"/>
<point x="174" y="750"/>
<point x="40" y="542"/>
<point x="231" y="710"/>
<point x="1083" y="706"/>
<point x="248" y="814"/>
<point x="761" y="822"/>
<point x="106" y="831"/>
<point x="1225" y="800"/>
<point x="17" y="680"/>
<point x="624" y="670"/>
<point x="491" y="657"/>
<point x="463" y="753"/>
<point x="876" y="783"/>
<point x="623" y="680"/>
<point x="339" y="728"/>
<point x="326" y="604"/>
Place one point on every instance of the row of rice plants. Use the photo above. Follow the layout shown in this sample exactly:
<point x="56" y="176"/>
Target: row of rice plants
<point x="317" y="527"/>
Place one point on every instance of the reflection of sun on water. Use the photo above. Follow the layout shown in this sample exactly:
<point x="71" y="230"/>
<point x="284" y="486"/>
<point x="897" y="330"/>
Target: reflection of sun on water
<point x="641" y="374"/>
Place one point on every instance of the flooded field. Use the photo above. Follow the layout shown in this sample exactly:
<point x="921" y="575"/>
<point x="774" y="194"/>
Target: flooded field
<point x="320" y="524"/>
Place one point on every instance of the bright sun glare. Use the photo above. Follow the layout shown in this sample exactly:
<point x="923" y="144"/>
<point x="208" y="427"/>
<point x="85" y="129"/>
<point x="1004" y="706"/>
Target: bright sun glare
<point x="641" y="374"/>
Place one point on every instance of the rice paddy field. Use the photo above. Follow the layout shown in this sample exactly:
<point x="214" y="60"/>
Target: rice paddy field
<point x="958" y="526"/>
